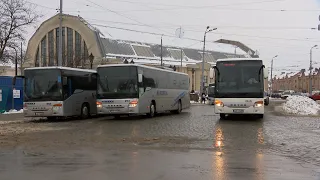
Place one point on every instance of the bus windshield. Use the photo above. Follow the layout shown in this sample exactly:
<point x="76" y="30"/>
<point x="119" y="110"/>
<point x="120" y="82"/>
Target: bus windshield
<point x="116" y="82"/>
<point x="239" y="79"/>
<point x="43" y="85"/>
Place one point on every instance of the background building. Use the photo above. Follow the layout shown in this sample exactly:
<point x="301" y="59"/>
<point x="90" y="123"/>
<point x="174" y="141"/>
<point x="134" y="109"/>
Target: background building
<point x="298" y="82"/>
<point x="80" y="40"/>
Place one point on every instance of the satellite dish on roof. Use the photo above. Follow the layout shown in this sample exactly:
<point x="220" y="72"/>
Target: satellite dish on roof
<point x="180" y="32"/>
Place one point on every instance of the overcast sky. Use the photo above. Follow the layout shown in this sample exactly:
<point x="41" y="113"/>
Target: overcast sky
<point x="273" y="27"/>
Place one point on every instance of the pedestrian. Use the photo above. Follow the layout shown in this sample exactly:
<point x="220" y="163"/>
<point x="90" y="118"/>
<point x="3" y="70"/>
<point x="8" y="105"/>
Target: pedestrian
<point x="203" y="98"/>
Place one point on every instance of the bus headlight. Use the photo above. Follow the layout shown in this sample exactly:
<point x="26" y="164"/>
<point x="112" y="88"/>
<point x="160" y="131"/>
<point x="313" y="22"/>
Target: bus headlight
<point x="258" y="104"/>
<point x="133" y="104"/>
<point x="57" y="107"/>
<point x="99" y="104"/>
<point x="218" y="103"/>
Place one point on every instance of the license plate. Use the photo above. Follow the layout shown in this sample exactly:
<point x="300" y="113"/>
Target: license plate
<point x="38" y="114"/>
<point x="238" y="110"/>
<point x="114" y="110"/>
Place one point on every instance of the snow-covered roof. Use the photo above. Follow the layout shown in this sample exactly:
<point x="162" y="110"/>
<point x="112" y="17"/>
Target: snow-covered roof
<point x="140" y="50"/>
<point x="314" y="71"/>
<point x="140" y="65"/>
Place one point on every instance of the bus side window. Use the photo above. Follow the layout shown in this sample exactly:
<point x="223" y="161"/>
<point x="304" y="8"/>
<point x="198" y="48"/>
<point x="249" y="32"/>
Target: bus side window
<point x="67" y="87"/>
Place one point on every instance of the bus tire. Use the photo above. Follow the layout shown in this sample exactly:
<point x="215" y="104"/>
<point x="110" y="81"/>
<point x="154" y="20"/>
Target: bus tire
<point x="260" y="116"/>
<point x="85" y="111"/>
<point x="51" y="118"/>
<point x="222" y="116"/>
<point x="178" y="111"/>
<point x="152" y="110"/>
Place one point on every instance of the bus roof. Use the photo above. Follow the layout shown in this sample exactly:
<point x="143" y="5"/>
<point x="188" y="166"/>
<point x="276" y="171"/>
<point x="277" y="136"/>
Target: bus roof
<point x="139" y="65"/>
<point x="62" y="68"/>
<point x="239" y="59"/>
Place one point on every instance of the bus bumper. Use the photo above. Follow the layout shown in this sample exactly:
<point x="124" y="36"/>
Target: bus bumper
<point x="239" y="106"/>
<point x="249" y="110"/>
<point x="43" y="109"/>
<point x="118" y="108"/>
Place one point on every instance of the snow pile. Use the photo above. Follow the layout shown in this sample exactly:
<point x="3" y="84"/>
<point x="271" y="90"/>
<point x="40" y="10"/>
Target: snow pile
<point x="301" y="105"/>
<point x="194" y="102"/>
<point x="13" y="111"/>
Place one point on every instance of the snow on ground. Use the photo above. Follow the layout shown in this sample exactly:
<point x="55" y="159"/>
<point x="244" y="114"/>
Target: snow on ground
<point x="13" y="112"/>
<point x="301" y="105"/>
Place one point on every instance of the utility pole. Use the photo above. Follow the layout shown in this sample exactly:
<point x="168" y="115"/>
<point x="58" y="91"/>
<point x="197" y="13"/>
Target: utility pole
<point x="60" y="36"/>
<point x="235" y="51"/>
<point x="204" y="48"/>
<point x="181" y="58"/>
<point x="310" y="68"/>
<point x="202" y="77"/>
<point x="16" y="62"/>
<point x="271" y="88"/>
<point x="21" y="58"/>
<point x="161" y="51"/>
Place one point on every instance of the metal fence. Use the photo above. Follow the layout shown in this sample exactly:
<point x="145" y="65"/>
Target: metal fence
<point x="11" y="97"/>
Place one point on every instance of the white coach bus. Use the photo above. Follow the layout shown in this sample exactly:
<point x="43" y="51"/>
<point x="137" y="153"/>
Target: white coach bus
<point x="59" y="92"/>
<point x="239" y="86"/>
<point x="131" y="89"/>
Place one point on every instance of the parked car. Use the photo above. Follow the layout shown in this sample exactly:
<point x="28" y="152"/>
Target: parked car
<point x="276" y="95"/>
<point x="315" y="96"/>
<point x="286" y="94"/>
<point x="297" y="94"/>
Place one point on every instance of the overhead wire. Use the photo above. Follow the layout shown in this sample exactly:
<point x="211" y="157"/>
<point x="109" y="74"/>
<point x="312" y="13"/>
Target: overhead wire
<point x="144" y="32"/>
<point x="109" y="10"/>
<point x="207" y="6"/>
<point x="41" y="5"/>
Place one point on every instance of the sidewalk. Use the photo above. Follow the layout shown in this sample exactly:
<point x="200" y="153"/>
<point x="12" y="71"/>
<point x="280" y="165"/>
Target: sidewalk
<point x="10" y="117"/>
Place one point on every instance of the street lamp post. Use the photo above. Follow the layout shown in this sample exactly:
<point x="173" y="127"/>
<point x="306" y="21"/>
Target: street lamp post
<point x="310" y="74"/>
<point x="271" y="89"/>
<point x="204" y="48"/>
<point x="235" y="51"/>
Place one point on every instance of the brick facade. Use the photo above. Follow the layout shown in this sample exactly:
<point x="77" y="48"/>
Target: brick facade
<point x="299" y="82"/>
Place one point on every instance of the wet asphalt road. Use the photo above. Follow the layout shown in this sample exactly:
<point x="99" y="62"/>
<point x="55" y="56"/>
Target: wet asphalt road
<point x="192" y="145"/>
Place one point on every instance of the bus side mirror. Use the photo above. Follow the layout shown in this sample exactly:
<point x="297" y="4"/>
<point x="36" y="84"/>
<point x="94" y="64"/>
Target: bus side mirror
<point x="64" y="81"/>
<point x="140" y="78"/>
<point x="91" y="76"/>
<point x="217" y="70"/>
<point x="261" y="69"/>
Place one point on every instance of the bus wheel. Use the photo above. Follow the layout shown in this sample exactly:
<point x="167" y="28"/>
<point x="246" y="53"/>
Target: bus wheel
<point x="260" y="116"/>
<point x="222" y="116"/>
<point x="51" y="118"/>
<point x="85" y="111"/>
<point x="152" y="110"/>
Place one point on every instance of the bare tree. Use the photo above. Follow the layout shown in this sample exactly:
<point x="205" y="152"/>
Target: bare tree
<point x="15" y="16"/>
